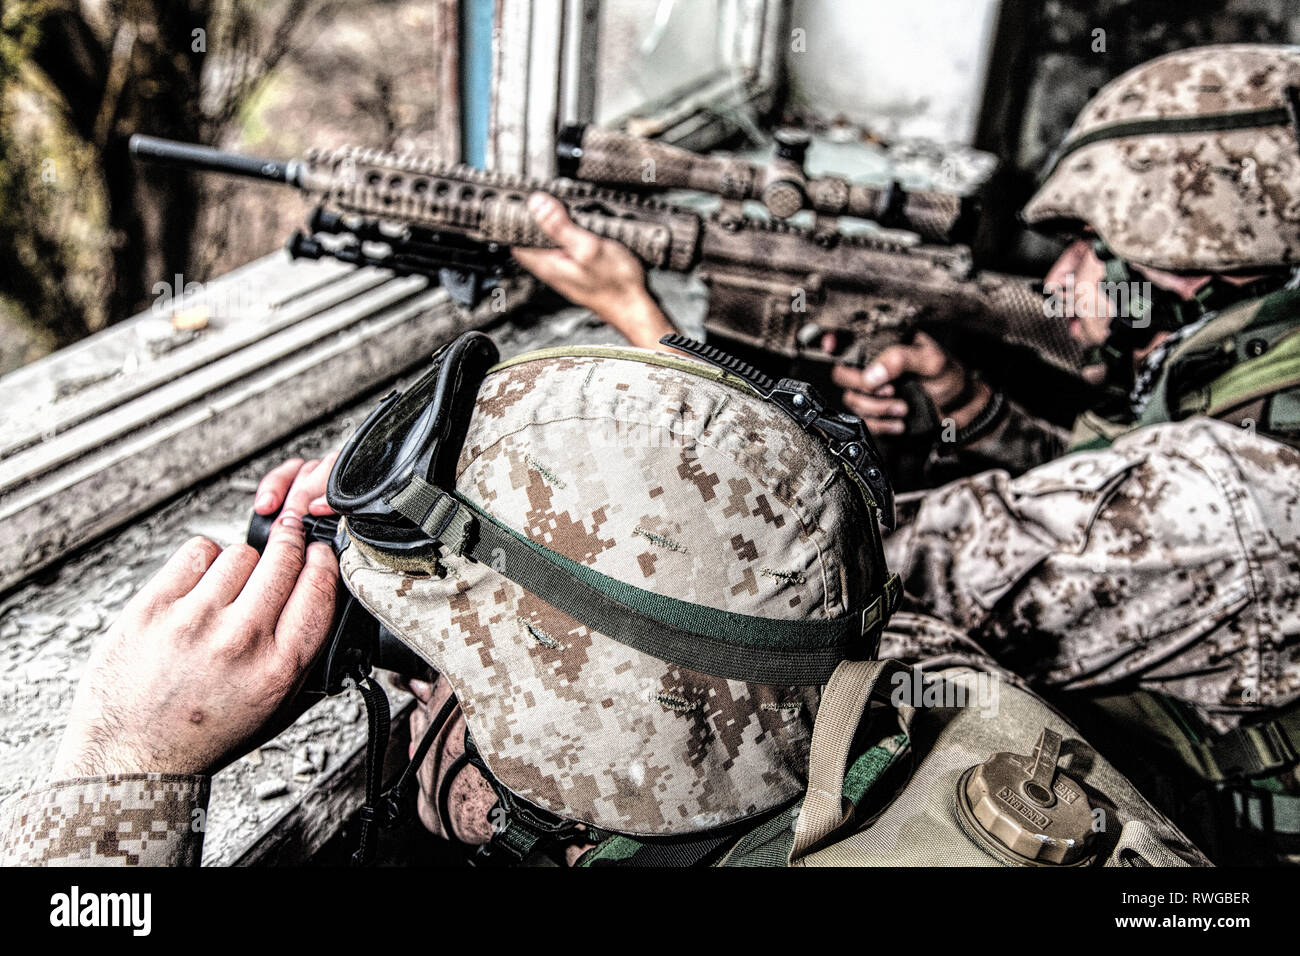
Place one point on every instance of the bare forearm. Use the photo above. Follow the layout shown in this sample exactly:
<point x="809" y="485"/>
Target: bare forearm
<point x="639" y="318"/>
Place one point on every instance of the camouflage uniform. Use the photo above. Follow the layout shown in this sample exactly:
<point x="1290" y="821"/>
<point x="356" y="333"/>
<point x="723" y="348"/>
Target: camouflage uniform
<point x="1164" y="564"/>
<point x="1160" y="556"/>
<point x="706" y="495"/>
<point x="1168" y="560"/>
<point x="146" y="819"/>
<point x="1164" y="559"/>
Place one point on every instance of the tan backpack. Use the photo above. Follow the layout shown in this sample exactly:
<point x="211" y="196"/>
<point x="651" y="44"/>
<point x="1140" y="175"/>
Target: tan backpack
<point x="996" y="776"/>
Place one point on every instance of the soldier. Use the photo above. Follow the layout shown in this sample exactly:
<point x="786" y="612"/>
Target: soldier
<point x="653" y="592"/>
<point x="1161" y="555"/>
<point x="1154" y="567"/>
<point x="1177" y="178"/>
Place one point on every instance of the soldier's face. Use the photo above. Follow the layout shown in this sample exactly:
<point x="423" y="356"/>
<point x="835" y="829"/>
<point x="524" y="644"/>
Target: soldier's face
<point x="1090" y="307"/>
<point x="1077" y="275"/>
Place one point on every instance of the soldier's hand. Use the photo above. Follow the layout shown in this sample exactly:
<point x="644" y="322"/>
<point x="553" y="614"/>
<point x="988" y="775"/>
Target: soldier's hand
<point x="274" y="488"/>
<point x="596" y="273"/>
<point x="870" y="392"/>
<point x="206" y="660"/>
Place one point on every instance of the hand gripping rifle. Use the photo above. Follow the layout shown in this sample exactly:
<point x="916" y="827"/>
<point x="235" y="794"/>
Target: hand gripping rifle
<point x="773" y="287"/>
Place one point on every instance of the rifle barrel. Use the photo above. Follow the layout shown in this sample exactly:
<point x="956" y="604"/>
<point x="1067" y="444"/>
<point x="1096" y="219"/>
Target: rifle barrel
<point x="169" y="152"/>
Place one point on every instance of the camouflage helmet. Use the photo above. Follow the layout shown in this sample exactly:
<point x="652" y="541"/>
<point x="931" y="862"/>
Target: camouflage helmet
<point x="661" y="569"/>
<point x="1188" y="163"/>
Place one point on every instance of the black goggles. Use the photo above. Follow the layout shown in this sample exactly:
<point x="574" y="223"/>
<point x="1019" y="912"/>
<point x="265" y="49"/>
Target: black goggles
<point x="412" y="434"/>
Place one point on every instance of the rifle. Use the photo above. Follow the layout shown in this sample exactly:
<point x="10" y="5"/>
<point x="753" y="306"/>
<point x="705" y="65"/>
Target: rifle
<point x="612" y="158"/>
<point x="773" y="286"/>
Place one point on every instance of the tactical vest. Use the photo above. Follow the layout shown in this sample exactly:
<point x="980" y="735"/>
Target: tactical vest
<point x="1228" y="790"/>
<point x="1242" y="367"/>
<point x="957" y="767"/>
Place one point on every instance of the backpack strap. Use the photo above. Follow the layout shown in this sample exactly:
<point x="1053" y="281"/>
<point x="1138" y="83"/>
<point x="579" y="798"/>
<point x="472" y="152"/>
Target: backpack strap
<point x="1251" y="751"/>
<point x="1276" y="370"/>
<point x="1233" y="756"/>
<point x="844" y="701"/>
<point x="1241" y="771"/>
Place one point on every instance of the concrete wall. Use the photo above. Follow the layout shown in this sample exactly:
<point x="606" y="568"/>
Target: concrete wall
<point x="902" y="69"/>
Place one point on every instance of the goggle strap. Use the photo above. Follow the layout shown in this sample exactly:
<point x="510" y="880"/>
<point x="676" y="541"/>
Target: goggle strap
<point x="722" y="643"/>
<point x="440" y="515"/>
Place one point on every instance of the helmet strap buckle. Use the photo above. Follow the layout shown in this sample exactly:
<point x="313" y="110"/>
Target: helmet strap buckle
<point x="519" y="828"/>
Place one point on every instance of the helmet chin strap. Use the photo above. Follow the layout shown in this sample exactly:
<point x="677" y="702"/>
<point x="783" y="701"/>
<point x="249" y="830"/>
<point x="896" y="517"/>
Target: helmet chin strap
<point x="518" y="828"/>
<point x="521" y="829"/>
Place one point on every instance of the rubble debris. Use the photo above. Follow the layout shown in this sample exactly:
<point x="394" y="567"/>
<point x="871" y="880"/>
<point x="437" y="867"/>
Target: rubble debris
<point x="269" y="789"/>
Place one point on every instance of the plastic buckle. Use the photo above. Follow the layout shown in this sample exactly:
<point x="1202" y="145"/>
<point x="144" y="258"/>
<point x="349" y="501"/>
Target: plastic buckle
<point x="448" y="518"/>
<point x="1250" y="752"/>
<point x="513" y="811"/>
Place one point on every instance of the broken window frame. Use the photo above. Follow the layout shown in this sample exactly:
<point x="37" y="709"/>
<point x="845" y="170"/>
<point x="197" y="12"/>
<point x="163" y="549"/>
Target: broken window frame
<point x="542" y="53"/>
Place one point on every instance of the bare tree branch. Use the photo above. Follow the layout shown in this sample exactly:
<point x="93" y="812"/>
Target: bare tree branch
<point x="246" y="71"/>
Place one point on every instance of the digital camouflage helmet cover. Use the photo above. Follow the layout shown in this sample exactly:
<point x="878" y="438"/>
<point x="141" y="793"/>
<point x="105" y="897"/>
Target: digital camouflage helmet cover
<point x="1188" y="163"/>
<point x="637" y="570"/>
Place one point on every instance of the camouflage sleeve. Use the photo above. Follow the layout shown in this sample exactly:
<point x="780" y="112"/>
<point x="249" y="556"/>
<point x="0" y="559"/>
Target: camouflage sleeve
<point x="1016" y="442"/>
<point x="1164" y="560"/>
<point x="143" y="819"/>
<point x="919" y="640"/>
